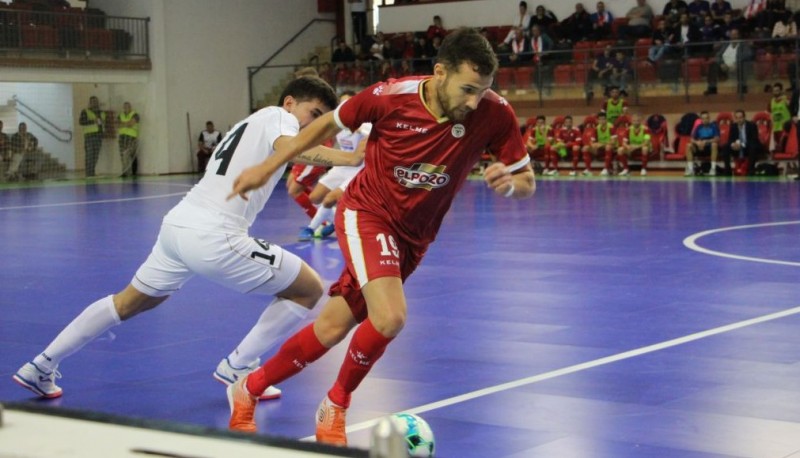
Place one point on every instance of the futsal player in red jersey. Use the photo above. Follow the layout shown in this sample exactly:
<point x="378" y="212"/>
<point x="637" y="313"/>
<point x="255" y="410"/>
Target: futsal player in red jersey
<point x="427" y="134"/>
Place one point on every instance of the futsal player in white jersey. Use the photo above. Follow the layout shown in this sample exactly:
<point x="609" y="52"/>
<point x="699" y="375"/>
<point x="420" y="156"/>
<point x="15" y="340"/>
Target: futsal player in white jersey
<point x="207" y="235"/>
<point x="331" y="186"/>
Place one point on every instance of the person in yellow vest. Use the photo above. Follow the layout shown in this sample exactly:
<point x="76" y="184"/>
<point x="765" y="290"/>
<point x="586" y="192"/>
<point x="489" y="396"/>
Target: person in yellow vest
<point x="128" y="139"/>
<point x="93" y="120"/>
<point x="636" y="140"/>
<point x="779" y="110"/>
<point x="601" y="142"/>
<point x="615" y="106"/>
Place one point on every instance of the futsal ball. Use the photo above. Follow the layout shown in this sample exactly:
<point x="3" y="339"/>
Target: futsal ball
<point x="417" y="433"/>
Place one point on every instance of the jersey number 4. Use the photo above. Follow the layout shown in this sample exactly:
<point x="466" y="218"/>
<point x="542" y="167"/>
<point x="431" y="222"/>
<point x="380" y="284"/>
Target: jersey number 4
<point x="228" y="146"/>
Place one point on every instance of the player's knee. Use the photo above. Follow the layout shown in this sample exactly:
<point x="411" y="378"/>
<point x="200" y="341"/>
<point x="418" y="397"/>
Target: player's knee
<point x="131" y="302"/>
<point x="389" y="323"/>
<point x="306" y="290"/>
<point x="329" y="201"/>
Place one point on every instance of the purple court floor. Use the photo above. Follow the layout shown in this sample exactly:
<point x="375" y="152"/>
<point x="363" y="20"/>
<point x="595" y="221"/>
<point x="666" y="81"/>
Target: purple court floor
<point x="618" y="318"/>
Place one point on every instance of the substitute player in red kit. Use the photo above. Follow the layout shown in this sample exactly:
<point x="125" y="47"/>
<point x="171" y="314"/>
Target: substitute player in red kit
<point x="427" y="134"/>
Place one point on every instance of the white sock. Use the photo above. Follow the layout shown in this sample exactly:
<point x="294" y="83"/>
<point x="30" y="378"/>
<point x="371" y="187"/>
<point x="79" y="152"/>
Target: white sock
<point x="280" y="317"/>
<point x="323" y="214"/>
<point x="92" y="322"/>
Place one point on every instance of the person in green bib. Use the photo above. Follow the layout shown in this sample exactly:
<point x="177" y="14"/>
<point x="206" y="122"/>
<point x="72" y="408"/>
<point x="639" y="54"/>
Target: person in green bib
<point x="615" y="106"/>
<point x="128" y="139"/>
<point x="92" y="120"/>
<point x="634" y="140"/>
<point x="779" y="110"/>
<point x="602" y="139"/>
<point x="537" y="142"/>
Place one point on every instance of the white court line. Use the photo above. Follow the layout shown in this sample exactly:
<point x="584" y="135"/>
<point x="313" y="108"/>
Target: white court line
<point x="580" y="367"/>
<point x="691" y="243"/>
<point x="105" y="201"/>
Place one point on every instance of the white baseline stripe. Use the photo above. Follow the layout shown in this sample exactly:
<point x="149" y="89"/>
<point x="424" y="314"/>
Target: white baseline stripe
<point x="92" y="202"/>
<point x="581" y="367"/>
<point x="691" y="243"/>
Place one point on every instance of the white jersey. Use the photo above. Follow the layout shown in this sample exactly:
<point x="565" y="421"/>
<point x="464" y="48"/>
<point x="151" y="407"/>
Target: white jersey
<point x="248" y="143"/>
<point x="348" y="140"/>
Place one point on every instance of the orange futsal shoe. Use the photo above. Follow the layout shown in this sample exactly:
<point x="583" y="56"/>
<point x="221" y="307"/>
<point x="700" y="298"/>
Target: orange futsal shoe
<point x="331" y="423"/>
<point x="243" y="407"/>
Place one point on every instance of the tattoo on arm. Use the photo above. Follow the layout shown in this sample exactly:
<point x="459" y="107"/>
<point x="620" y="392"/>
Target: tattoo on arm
<point x="316" y="159"/>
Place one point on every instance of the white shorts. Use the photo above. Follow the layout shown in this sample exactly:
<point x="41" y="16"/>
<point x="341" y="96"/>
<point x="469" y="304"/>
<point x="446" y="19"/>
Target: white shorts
<point x="339" y="177"/>
<point x="237" y="261"/>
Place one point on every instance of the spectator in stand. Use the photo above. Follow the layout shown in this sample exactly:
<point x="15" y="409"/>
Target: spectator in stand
<point x="743" y="145"/>
<point x="326" y="73"/>
<point x="405" y="68"/>
<point x="708" y="35"/>
<point x="423" y="54"/>
<point x="386" y="71"/>
<point x="538" y="140"/>
<point x="436" y="29"/>
<point x="639" y="19"/>
<point x="23" y="144"/>
<point x="544" y="19"/>
<point x="730" y="60"/>
<point x="601" y="22"/>
<point x="521" y="20"/>
<point x="436" y="44"/>
<point x="688" y="35"/>
<point x="5" y="145"/>
<point x="705" y="142"/>
<point x="390" y="51"/>
<point x="409" y="43"/>
<point x="343" y="53"/>
<point x="664" y="38"/>
<point x="673" y="10"/>
<point x="634" y="140"/>
<point x="621" y="72"/>
<point x="602" y="142"/>
<point x="577" y="27"/>
<point x="519" y="51"/>
<point x="602" y="68"/>
<point x="719" y="8"/>
<point x="779" y="111"/>
<point x="208" y="140"/>
<point x="376" y="49"/>
<point x="698" y="9"/>
<point x="783" y="33"/>
<point x="728" y="23"/>
<point x="764" y="21"/>
<point x="615" y="105"/>
<point x="567" y="141"/>
<point x="540" y="44"/>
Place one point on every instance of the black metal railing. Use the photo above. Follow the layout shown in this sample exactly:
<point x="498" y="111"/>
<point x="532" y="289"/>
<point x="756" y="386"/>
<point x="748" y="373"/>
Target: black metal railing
<point x="31" y="32"/>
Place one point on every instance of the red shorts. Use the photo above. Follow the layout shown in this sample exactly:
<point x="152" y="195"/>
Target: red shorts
<point x="371" y="249"/>
<point x="307" y="175"/>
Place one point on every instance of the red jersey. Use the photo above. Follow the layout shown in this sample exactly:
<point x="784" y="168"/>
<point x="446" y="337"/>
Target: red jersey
<point x="415" y="163"/>
<point x="569" y="135"/>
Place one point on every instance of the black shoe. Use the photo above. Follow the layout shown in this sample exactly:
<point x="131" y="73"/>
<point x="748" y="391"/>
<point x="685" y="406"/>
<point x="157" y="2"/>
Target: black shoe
<point x="710" y="91"/>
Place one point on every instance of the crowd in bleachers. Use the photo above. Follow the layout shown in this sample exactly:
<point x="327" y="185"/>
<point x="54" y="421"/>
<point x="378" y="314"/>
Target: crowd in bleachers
<point x="603" y="46"/>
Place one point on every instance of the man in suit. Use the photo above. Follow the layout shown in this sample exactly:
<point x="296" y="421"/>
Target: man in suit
<point x="743" y="143"/>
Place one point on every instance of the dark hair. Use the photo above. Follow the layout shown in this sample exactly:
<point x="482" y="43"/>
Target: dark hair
<point x="567" y="117"/>
<point x="740" y="111"/>
<point x="540" y="117"/>
<point x="704" y="112"/>
<point x="309" y="88"/>
<point x="525" y="4"/>
<point x="778" y="85"/>
<point x="602" y="113"/>
<point x="467" y="45"/>
<point x="209" y="122"/>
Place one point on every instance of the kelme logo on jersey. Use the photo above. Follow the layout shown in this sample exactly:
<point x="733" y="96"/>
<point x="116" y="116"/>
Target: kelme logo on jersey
<point x="425" y="176"/>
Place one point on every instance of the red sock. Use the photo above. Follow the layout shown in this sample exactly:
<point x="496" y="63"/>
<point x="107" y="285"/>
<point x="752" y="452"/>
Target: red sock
<point x="575" y="159"/>
<point x="644" y="160"/>
<point x="366" y="346"/>
<point x="300" y="350"/>
<point x="305" y="203"/>
<point x="623" y="159"/>
<point x="608" y="158"/>
<point x="587" y="159"/>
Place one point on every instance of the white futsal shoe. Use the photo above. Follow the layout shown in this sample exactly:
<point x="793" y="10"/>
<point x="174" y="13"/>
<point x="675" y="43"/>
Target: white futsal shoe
<point x="229" y="375"/>
<point x="42" y="383"/>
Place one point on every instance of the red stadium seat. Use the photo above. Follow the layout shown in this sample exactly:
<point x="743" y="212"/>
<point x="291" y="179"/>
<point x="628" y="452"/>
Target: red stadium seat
<point x="581" y="52"/>
<point x="98" y="39"/>
<point x="642" y="47"/>
<point x="791" y="149"/>
<point x="562" y="75"/>
<point x="523" y="77"/>
<point x="618" y="22"/>
<point x="763" y="121"/>
<point x="581" y="73"/>
<point x="693" y="69"/>
<point x="724" y="122"/>
<point x="764" y="66"/>
<point x="782" y="63"/>
<point x="504" y="77"/>
<point x="646" y="72"/>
